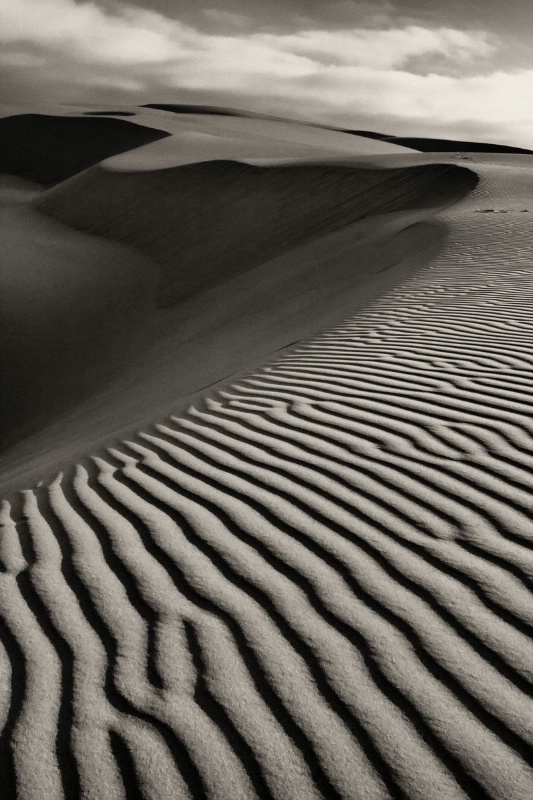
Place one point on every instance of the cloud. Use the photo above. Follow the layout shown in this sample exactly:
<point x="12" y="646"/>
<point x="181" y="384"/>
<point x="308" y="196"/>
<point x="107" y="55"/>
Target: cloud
<point x="341" y="76"/>
<point x="385" y="49"/>
<point x="135" y="35"/>
<point x="21" y="59"/>
<point x="86" y="33"/>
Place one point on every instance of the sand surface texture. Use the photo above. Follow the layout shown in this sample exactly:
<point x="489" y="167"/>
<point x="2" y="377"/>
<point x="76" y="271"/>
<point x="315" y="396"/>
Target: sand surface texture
<point x="316" y="583"/>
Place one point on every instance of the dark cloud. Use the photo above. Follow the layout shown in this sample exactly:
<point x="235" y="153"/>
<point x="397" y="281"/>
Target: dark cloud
<point x="281" y="16"/>
<point x="231" y="16"/>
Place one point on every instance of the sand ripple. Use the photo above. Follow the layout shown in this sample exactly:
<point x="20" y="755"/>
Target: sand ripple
<point x="316" y="584"/>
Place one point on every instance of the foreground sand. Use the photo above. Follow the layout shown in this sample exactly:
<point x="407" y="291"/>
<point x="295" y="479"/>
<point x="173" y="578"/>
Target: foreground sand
<point x="316" y="583"/>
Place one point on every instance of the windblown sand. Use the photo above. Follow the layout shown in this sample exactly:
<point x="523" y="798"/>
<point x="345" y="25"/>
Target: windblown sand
<point x="316" y="582"/>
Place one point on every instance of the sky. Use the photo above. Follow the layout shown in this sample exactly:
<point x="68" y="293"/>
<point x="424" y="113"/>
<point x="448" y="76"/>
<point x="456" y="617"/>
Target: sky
<point x="453" y="68"/>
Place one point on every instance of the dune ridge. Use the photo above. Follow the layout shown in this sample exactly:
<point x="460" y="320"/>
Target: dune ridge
<point x="205" y="222"/>
<point x="314" y="584"/>
<point x="197" y="137"/>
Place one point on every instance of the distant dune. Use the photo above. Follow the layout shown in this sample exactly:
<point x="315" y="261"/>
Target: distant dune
<point x="190" y="108"/>
<point x="206" y="222"/>
<point x="429" y="145"/>
<point x="369" y="134"/>
<point x="49" y="149"/>
<point x="110" y="113"/>
<point x="452" y="145"/>
<point x="253" y="139"/>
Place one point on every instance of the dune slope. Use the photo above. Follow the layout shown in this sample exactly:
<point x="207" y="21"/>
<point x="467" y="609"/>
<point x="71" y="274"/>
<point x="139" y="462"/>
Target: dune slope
<point x="83" y="343"/>
<point x="314" y="584"/>
<point x="72" y="313"/>
<point x="206" y="222"/>
<point x="49" y="148"/>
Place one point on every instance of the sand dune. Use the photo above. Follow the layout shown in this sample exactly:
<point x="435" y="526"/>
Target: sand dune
<point x="189" y="108"/>
<point x="72" y="312"/>
<point x="199" y="134"/>
<point x="58" y="352"/>
<point x="48" y="148"/>
<point x="234" y="326"/>
<point x="438" y="145"/>
<point x="277" y="208"/>
<point x="427" y="145"/>
<point x="201" y="137"/>
<point x="284" y="254"/>
<point x="109" y="113"/>
<point x="316" y="581"/>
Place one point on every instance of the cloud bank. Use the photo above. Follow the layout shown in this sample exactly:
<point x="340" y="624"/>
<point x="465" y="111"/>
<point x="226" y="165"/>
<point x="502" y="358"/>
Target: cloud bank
<point x="414" y="77"/>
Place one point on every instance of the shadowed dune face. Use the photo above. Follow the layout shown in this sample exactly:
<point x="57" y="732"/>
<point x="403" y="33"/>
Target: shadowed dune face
<point x="17" y="191"/>
<point x="109" y="113"/>
<point x="447" y="145"/>
<point x="72" y="313"/>
<point x="368" y="134"/>
<point x="428" y="145"/>
<point x="49" y="149"/>
<point x="205" y="222"/>
<point x="188" y="108"/>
